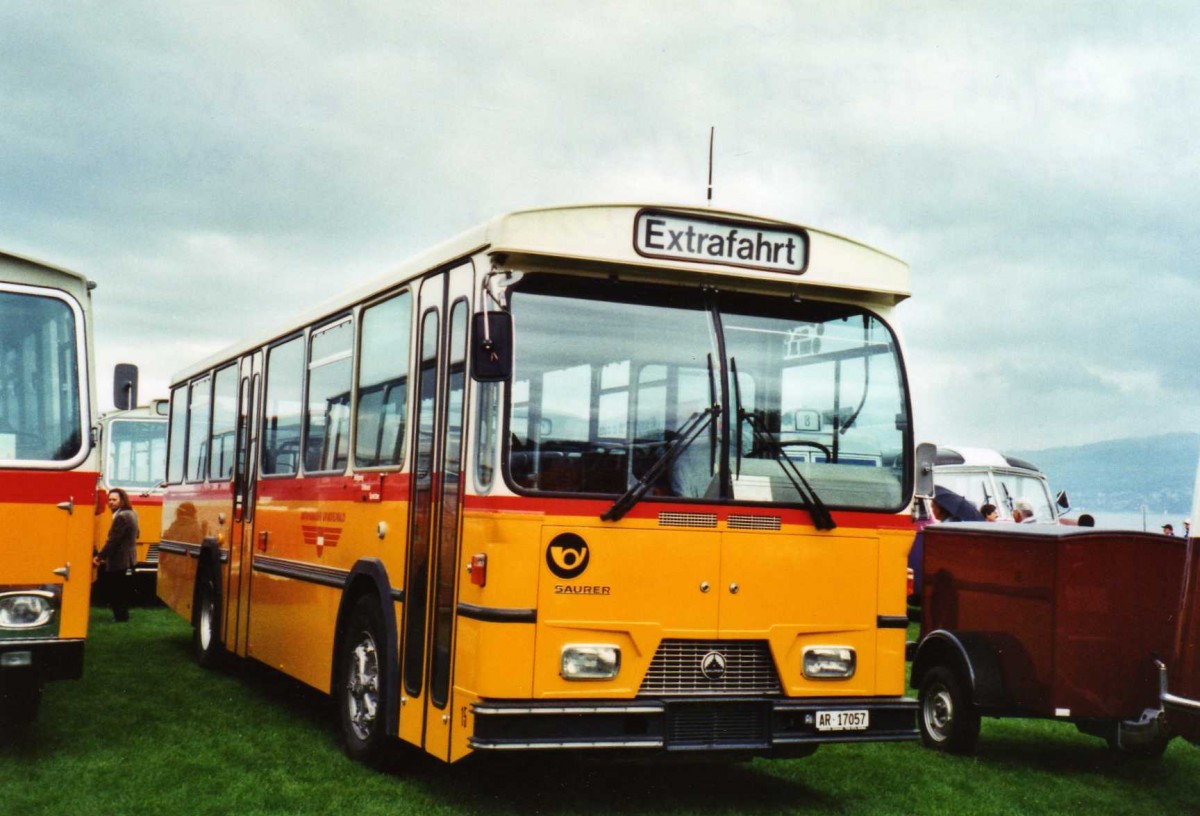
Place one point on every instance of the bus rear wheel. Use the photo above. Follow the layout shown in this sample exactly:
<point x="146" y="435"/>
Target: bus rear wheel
<point x="361" y="695"/>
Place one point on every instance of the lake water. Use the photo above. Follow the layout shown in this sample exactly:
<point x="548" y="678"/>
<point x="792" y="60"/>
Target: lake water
<point x="1153" y="522"/>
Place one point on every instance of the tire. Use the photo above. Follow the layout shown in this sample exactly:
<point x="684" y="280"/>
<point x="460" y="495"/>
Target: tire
<point x="206" y="639"/>
<point x="360" y="691"/>
<point x="20" y="697"/>
<point x="947" y="720"/>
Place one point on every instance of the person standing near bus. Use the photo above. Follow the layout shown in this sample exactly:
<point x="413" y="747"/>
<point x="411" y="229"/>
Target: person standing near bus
<point x="119" y="556"/>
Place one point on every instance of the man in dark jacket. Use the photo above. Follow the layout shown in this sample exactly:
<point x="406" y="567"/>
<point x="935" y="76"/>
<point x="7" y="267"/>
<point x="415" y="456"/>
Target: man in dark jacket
<point x="119" y="556"/>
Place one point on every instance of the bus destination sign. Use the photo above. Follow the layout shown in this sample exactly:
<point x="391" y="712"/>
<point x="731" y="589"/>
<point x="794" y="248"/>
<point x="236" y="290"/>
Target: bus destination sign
<point x="675" y="236"/>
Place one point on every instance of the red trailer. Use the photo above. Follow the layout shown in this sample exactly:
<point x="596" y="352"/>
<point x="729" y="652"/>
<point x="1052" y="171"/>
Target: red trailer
<point x="1068" y="623"/>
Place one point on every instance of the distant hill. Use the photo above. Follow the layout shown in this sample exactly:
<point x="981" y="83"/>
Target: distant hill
<point x="1121" y="475"/>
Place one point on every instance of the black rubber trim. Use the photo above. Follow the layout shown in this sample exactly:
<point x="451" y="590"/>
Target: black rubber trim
<point x="892" y="622"/>
<point x="309" y="573"/>
<point x="179" y="548"/>
<point x="492" y="614"/>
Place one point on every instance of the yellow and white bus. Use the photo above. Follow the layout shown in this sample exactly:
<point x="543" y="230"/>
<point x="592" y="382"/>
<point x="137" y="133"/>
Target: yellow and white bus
<point x="133" y="456"/>
<point x="48" y="471"/>
<point x="597" y="477"/>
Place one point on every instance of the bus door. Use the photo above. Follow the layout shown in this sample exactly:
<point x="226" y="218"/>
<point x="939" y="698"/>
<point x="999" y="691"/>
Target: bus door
<point x="241" y="540"/>
<point x="433" y="535"/>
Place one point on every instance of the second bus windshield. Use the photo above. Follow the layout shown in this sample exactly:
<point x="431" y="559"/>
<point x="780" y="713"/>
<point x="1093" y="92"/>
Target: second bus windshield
<point x="606" y="375"/>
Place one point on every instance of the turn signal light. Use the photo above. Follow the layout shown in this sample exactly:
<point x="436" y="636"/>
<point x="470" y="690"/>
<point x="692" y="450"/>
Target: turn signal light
<point x="477" y="569"/>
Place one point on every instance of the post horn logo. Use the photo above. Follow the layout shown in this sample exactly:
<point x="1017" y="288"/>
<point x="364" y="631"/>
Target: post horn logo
<point x="567" y="555"/>
<point x="712" y="666"/>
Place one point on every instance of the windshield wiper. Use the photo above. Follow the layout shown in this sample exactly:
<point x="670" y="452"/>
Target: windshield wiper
<point x="685" y="436"/>
<point x="763" y="438"/>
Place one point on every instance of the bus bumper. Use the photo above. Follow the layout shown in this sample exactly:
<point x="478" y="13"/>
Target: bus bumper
<point x="754" y="725"/>
<point x="56" y="659"/>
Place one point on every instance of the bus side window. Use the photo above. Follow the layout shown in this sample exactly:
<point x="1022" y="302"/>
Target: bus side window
<point x="327" y="417"/>
<point x="487" y="434"/>
<point x="178" y="435"/>
<point x="382" y="411"/>
<point x="281" y="445"/>
<point x="224" y="423"/>
<point x="199" y="407"/>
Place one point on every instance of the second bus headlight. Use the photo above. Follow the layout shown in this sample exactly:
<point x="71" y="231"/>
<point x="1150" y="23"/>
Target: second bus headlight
<point x="585" y="661"/>
<point x="829" y="662"/>
<point x="25" y="610"/>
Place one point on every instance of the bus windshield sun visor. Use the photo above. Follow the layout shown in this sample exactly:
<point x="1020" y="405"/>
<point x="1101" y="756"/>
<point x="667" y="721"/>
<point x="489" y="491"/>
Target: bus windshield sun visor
<point x="687" y="434"/>
<point x="765" y="440"/>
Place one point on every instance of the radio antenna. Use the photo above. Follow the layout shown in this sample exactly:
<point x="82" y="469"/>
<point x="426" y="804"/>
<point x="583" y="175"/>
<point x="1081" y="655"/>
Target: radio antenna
<point x="711" y="135"/>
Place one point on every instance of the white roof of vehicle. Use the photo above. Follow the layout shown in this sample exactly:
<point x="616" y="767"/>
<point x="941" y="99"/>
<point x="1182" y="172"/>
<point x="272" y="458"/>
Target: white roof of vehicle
<point x="979" y="457"/>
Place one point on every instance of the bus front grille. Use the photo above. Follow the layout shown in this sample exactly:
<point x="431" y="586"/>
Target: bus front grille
<point x="710" y="667"/>
<point x="718" y="725"/>
<point x="152" y="554"/>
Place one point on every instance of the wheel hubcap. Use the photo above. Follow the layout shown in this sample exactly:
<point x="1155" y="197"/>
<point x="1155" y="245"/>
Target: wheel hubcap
<point x="362" y="687"/>
<point x="939" y="713"/>
<point x="206" y="622"/>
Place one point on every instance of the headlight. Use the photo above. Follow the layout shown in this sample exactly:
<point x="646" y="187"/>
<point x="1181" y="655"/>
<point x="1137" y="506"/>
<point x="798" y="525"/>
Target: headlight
<point x="829" y="662"/>
<point x="590" y="662"/>
<point x="26" y="610"/>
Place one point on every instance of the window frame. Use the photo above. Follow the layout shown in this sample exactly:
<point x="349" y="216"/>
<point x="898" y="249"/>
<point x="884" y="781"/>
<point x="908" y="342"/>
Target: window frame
<point x="216" y="372"/>
<point x="356" y="392"/>
<point x="311" y="333"/>
<point x="207" y="432"/>
<point x="81" y="327"/>
<point x="268" y="349"/>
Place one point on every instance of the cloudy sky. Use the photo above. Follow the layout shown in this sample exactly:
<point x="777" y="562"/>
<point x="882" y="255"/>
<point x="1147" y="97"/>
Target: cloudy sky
<point x="210" y="164"/>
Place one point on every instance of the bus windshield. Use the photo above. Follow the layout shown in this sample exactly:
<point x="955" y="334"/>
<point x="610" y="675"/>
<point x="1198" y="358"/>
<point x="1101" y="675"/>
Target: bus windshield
<point x="607" y="374"/>
<point x="40" y="417"/>
<point x="137" y="454"/>
<point x="1015" y="487"/>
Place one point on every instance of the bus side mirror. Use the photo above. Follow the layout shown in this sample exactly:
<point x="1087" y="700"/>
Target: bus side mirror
<point x="1064" y="503"/>
<point x="924" y="458"/>
<point x="491" y="347"/>
<point x="926" y="455"/>
<point x="125" y="386"/>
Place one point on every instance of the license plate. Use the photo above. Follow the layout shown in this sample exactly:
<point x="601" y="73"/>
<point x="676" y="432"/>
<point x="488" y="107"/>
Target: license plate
<point x="857" y="720"/>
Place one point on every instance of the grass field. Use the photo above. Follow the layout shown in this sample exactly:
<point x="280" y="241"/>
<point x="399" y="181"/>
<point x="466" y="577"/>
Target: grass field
<point x="146" y="731"/>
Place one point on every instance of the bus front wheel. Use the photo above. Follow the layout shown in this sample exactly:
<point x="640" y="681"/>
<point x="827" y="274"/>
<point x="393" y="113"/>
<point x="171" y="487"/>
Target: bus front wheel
<point x="360" y="691"/>
<point x="206" y="643"/>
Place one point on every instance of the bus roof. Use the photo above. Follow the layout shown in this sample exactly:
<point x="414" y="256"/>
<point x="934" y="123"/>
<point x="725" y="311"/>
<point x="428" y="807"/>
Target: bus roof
<point x="598" y="235"/>
<point x="22" y="269"/>
<point x="980" y="458"/>
<point x="155" y="410"/>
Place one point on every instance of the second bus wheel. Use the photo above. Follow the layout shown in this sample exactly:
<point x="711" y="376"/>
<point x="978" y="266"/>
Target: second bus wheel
<point x="206" y="642"/>
<point x="360" y="692"/>
<point x="947" y="720"/>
